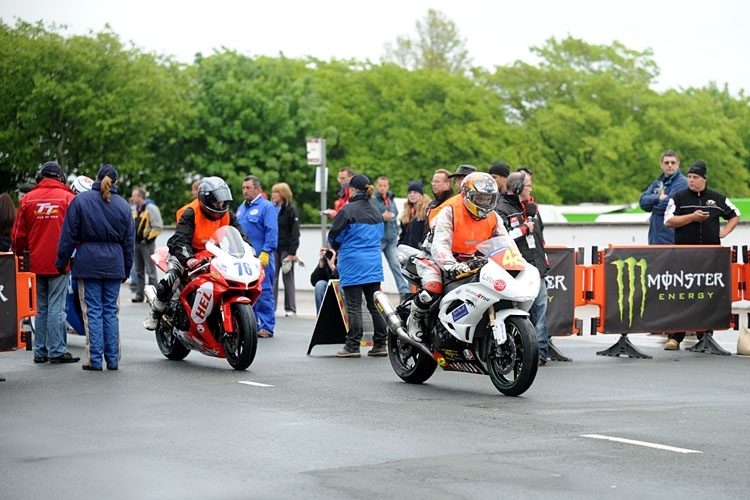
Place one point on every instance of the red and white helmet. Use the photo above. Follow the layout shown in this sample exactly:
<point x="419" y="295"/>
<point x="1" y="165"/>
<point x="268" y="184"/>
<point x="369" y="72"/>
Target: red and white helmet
<point x="81" y="184"/>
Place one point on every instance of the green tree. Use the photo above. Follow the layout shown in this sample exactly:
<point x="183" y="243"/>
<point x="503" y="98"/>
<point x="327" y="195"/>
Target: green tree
<point x="406" y="124"/>
<point x="255" y="115"/>
<point x="704" y="124"/>
<point x="580" y="112"/>
<point x="84" y="101"/>
<point x="438" y="46"/>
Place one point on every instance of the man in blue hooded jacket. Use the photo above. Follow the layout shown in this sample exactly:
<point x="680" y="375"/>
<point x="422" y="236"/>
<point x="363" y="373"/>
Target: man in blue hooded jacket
<point x="656" y="197"/>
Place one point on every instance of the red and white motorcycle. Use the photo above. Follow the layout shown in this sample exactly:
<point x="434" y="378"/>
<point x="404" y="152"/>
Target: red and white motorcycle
<point x="212" y="312"/>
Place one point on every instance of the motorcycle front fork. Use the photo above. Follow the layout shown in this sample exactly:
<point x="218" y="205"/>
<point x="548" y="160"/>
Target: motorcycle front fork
<point x="498" y="328"/>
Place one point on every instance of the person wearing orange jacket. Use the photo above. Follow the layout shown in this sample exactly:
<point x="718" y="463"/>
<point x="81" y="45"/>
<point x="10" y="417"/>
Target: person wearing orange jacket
<point x="463" y="222"/>
<point x="200" y="218"/>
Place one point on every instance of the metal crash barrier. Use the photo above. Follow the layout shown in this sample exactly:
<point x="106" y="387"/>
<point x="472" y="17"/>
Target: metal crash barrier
<point x="664" y="289"/>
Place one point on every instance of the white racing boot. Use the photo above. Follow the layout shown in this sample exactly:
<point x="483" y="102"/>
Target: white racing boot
<point x="157" y="308"/>
<point x="414" y="323"/>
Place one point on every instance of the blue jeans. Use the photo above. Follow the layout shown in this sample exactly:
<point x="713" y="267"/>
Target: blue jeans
<point x="390" y="250"/>
<point x="50" y="339"/>
<point x="538" y="313"/>
<point x="101" y="308"/>
<point x="320" y="293"/>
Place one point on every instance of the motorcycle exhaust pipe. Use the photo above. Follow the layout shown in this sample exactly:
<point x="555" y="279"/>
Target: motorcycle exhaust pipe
<point x="150" y="293"/>
<point x="388" y="312"/>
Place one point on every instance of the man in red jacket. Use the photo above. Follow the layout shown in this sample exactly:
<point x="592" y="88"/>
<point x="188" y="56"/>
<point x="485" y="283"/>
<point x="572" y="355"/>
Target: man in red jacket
<point x="37" y="229"/>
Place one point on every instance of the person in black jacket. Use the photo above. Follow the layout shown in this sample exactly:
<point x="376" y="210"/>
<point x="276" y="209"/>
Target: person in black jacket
<point x="7" y="218"/>
<point x="527" y="229"/>
<point x="286" y="248"/>
<point x="414" y="216"/>
<point x="694" y="214"/>
<point x="324" y="272"/>
<point x="196" y="223"/>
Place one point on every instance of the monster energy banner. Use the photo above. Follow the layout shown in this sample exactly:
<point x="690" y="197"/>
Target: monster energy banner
<point x="8" y="322"/>
<point x="662" y="289"/>
<point x="561" y="291"/>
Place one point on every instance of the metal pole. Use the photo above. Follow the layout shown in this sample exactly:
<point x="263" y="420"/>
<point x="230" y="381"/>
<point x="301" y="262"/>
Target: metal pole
<point x="323" y="193"/>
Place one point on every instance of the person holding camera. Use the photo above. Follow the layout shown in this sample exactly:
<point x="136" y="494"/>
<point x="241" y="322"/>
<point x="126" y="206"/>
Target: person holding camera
<point x="322" y="274"/>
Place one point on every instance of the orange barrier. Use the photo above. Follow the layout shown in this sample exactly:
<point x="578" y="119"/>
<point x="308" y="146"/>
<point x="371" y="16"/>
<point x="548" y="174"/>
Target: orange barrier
<point x="26" y="306"/>
<point x="18" y="304"/>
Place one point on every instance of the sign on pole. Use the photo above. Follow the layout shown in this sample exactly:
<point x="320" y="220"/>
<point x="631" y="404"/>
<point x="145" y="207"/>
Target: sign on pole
<point x="316" y="155"/>
<point x="315" y="151"/>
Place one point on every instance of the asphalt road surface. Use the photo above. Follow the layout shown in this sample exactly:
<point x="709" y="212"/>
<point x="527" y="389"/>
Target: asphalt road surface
<point x="299" y="426"/>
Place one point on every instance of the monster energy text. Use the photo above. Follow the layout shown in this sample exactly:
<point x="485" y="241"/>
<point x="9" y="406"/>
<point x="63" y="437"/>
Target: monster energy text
<point x="682" y="279"/>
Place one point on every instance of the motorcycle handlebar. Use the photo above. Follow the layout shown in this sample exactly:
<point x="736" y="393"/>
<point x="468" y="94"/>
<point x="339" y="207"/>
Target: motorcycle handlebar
<point x="474" y="266"/>
<point x="200" y="268"/>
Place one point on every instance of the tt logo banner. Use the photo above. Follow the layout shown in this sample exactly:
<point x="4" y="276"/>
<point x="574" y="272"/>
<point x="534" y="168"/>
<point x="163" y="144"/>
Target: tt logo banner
<point x="627" y="271"/>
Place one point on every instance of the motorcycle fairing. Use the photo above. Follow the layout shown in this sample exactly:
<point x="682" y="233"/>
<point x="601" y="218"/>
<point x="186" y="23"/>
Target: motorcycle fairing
<point x="455" y="361"/>
<point x="226" y="310"/>
<point x="203" y="303"/>
<point x="195" y="344"/>
<point x="462" y="307"/>
<point x="232" y="268"/>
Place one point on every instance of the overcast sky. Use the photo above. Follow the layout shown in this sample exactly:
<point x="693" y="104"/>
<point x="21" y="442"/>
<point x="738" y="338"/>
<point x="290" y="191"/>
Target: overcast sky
<point x="694" y="41"/>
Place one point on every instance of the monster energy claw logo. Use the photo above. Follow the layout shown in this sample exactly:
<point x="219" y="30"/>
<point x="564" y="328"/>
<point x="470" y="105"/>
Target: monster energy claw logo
<point x="628" y="268"/>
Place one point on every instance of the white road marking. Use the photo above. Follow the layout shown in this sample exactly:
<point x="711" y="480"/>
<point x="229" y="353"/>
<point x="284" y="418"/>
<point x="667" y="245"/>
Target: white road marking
<point x="641" y="443"/>
<point x="256" y="384"/>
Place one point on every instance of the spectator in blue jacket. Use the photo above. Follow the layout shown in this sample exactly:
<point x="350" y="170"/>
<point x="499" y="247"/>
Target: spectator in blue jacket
<point x="355" y="234"/>
<point x="99" y="227"/>
<point x="260" y="221"/>
<point x="656" y="197"/>
<point x="386" y="205"/>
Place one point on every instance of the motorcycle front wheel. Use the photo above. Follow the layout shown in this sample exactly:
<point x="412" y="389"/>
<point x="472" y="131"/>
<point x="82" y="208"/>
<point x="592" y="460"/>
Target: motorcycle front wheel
<point x="512" y="366"/>
<point x="410" y="363"/>
<point x="241" y="345"/>
<point x="169" y="345"/>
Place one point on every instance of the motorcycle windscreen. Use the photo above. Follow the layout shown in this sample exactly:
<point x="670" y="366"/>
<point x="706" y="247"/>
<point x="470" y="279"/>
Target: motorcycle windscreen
<point x="503" y="251"/>
<point x="228" y="239"/>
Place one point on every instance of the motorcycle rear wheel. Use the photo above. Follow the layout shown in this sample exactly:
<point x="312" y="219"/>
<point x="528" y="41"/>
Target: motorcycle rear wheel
<point x="241" y="345"/>
<point x="169" y="345"/>
<point x="512" y="366"/>
<point x="410" y="363"/>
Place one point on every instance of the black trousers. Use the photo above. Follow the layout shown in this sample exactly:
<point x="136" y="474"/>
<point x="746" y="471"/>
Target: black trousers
<point x="353" y="299"/>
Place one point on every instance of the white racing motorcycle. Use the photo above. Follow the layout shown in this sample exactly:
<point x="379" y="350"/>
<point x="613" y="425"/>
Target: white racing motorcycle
<point x="480" y="324"/>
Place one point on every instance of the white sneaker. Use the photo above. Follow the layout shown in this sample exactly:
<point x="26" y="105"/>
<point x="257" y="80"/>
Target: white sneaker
<point x="151" y="322"/>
